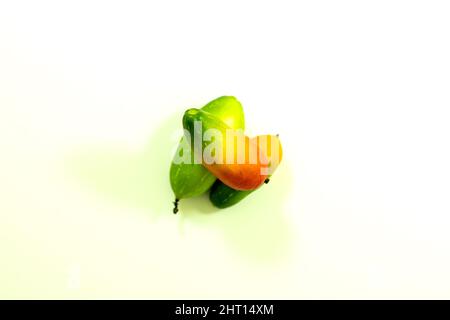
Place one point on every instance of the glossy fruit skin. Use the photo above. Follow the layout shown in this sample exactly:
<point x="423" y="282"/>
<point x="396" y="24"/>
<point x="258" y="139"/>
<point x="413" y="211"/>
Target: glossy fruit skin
<point x="229" y="110"/>
<point x="189" y="179"/>
<point x="240" y="176"/>
<point x="222" y="196"/>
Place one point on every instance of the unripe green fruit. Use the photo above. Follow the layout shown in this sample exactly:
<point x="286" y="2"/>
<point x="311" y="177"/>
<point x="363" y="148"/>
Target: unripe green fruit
<point x="190" y="179"/>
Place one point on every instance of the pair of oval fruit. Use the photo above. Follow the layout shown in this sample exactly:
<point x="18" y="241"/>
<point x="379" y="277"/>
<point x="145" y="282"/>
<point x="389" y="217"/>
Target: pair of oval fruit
<point x="229" y="181"/>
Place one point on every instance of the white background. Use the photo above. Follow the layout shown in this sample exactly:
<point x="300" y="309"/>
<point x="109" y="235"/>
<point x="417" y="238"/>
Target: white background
<point x="357" y="90"/>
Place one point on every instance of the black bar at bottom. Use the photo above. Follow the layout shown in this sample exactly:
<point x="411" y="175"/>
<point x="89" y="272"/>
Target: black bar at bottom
<point x="225" y="309"/>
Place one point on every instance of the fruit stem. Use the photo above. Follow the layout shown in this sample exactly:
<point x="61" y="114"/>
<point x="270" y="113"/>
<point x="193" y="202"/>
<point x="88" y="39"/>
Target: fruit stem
<point x="266" y="181"/>
<point x="175" y="203"/>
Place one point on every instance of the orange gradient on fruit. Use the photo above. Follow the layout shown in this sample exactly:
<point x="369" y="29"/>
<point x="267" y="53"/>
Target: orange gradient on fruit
<point x="248" y="173"/>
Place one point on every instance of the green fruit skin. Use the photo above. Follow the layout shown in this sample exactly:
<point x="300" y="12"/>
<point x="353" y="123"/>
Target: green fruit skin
<point x="207" y="121"/>
<point x="229" y="110"/>
<point x="222" y="196"/>
<point x="190" y="180"/>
